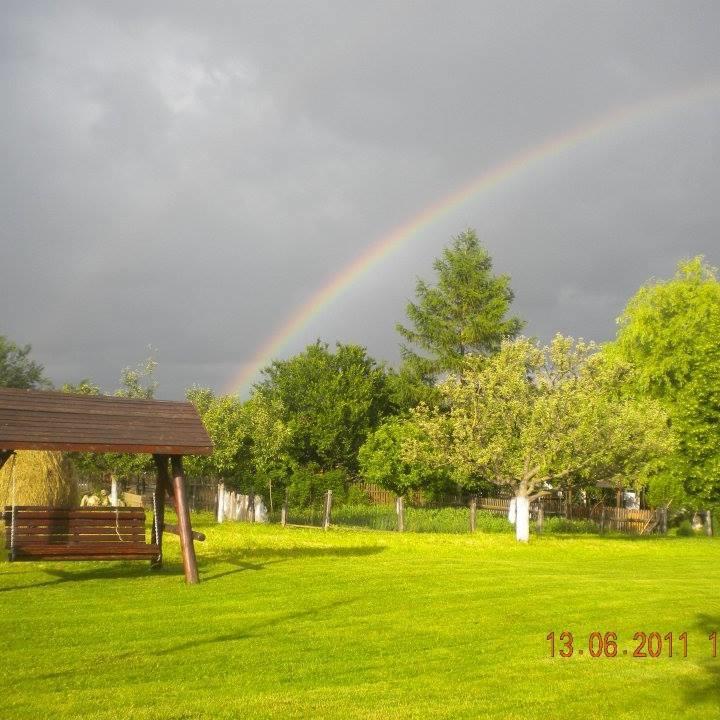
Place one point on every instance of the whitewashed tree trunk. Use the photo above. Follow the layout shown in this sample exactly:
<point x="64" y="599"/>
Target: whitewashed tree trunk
<point x="221" y="502"/>
<point x="522" y="520"/>
<point x="113" y="491"/>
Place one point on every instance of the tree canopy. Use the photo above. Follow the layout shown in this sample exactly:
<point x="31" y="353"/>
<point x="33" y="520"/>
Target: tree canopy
<point x="465" y="312"/>
<point x="529" y="416"/>
<point x="670" y="332"/>
<point x="17" y="370"/>
<point x="329" y="402"/>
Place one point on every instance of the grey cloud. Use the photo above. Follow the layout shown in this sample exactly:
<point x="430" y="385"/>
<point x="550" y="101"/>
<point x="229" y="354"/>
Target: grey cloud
<point x="187" y="175"/>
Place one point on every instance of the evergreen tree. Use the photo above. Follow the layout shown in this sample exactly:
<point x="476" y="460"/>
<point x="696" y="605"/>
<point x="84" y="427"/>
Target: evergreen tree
<point x="464" y="313"/>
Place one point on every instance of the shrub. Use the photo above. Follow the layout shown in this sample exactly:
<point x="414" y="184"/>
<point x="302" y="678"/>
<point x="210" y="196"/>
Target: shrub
<point x="563" y="526"/>
<point x="685" y="529"/>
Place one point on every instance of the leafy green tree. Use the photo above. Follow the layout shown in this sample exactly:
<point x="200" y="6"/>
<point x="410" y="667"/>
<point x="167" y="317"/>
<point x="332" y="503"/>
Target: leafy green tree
<point x="670" y="331"/>
<point x="329" y="402"/>
<point x="138" y="382"/>
<point x="531" y="416"/>
<point x="84" y="387"/>
<point x="249" y="441"/>
<point x="407" y="389"/>
<point x="466" y="312"/>
<point x="17" y="370"/>
<point x="382" y="461"/>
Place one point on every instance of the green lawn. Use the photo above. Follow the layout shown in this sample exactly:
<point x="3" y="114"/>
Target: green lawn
<point x="295" y="623"/>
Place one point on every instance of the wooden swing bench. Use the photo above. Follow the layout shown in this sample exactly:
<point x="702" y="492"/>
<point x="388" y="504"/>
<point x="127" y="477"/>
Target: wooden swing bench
<point x="41" y="533"/>
<point x="40" y="420"/>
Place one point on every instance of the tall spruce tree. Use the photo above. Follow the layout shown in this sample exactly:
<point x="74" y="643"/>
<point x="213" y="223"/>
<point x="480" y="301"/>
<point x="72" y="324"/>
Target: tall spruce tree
<point x="466" y="312"/>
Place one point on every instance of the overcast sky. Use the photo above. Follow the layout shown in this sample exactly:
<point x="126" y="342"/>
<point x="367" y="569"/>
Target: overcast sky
<point x="185" y="175"/>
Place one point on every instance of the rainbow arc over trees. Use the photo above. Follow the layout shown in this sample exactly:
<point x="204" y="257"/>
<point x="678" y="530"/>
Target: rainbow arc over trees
<point x="614" y="121"/>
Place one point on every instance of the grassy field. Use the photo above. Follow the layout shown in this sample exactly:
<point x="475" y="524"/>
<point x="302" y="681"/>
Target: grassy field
<point x="294" y="623"/>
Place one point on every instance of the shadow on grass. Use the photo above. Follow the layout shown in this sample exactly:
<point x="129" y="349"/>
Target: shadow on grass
<point x="239" y="567"/>
<point x="246" y="633"/>
<point x="706" y="688"/>
<point x="292" y="553"/>
<point x="115" y="572"/>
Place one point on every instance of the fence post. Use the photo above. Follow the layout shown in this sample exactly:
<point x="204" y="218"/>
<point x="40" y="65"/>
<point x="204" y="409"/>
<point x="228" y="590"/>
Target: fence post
<point x="602" y="521"/>
<point x="251" y="507"/>
<point x="400" y="509"/>
<point x="220" y="502"/>
<point x="708" y="523"/>
<point x="284" y="511"/>
<point x="328" y="509"/>
<point x="473" y="512"/>
<point x="540" y="518"/>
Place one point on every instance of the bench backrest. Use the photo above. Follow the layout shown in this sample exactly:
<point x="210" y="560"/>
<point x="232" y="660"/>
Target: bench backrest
<point x="42" y="531"/>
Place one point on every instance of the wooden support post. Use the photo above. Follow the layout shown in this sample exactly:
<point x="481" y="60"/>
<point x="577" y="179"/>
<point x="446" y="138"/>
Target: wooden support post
<point x="221" y="502"/>
<point x="663" y="520"/>
<point x="162" y="485"/>
<point x="175" y="530"/>
<point x="185" y="527"/>
<point x="602" y="521"/>
<point x="328" y="509"/>
<point x="473" y="512"/>
<point x="540" y="518"/>
<point x="284" y="511"/>
<point x="400" y="508"/>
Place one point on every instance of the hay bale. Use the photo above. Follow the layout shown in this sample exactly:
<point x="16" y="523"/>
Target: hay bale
<point x="42" y="477"/>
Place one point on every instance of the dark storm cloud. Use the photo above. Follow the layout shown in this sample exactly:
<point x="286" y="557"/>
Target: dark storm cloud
<point x="185" y="175"/>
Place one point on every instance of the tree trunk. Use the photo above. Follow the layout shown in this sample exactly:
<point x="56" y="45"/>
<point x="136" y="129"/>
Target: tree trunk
<point x="522" y="518"/>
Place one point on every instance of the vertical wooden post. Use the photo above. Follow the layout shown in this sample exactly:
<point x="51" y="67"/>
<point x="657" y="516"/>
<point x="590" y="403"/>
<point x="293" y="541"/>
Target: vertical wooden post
<point x="473" y="512"/>
<point x="663" y="520"/>
<point x="184" y="525"/>
<point x="400" y="508"/>
<point x="162" y="485"/>
<point x="540" y="518"/>
<point x="221" y="502"/>
<point x="284" y="511"/>
<point x="328" y="509"/>
<point x="602" y="521"/>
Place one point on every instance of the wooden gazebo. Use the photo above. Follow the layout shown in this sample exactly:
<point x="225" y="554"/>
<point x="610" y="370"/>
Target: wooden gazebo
<point x="39" y="420"/>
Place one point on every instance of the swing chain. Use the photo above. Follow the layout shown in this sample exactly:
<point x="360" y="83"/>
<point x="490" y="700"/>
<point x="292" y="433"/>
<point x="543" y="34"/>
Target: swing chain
<point x="13" y="510"/>
<point x="155" y="518"/>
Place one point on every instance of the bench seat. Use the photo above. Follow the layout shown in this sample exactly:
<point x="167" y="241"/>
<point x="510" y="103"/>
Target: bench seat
<point x="42" y="533"/>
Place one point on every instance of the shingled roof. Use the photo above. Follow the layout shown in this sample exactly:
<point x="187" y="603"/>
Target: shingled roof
<point x="39" y="420"/>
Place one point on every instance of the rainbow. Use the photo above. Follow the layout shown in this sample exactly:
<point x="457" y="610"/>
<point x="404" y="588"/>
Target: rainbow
<point x="613" y="121"/>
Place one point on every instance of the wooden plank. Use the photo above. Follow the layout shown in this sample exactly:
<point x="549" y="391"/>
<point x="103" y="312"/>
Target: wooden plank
<point x="119" y="549"/>
<point x="84" y="536"/>
<point x="100" y="513"/>
<point x="78" y="558"/>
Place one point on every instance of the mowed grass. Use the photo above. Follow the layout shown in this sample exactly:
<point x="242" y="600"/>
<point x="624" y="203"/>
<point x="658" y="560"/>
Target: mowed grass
<point x="296" y="623"/>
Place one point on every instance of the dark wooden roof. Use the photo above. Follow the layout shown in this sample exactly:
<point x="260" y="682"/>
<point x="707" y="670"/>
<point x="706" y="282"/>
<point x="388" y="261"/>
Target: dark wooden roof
<point x="38" y="420"/>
